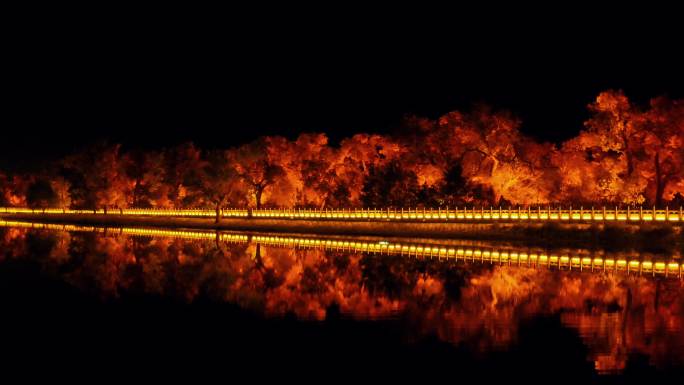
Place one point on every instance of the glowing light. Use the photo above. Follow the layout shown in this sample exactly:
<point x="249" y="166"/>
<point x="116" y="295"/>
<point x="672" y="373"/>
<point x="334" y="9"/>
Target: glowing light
<point x="472" y="254"/>
<point x="489" y="214"/>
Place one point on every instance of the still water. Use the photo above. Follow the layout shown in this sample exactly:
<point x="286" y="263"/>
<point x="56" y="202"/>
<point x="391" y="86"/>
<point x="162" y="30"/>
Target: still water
<point x="338" y="304"/>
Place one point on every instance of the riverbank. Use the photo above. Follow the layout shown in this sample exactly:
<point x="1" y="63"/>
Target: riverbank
<point x="656" y="237"/>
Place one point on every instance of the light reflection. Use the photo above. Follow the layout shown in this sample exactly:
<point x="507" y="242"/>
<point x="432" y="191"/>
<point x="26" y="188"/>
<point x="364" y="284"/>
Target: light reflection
<point x="493" y="289"/>
<point x="472" y="254"/>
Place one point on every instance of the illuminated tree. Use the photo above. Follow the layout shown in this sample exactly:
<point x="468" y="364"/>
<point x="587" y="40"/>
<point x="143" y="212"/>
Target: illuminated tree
<point x="613" y="126"/>
<point x="61" y="187"/>
<point x="357" y="156"/>
<point x="98" y="178"/>
<point x="625" y="155"/>
<point x="183" y="174"/>
<point x="495" y="155"/>
<point x="109" y="181"/>
<point x="221" y="183"/>
<point x="662" y="145"/>
<point x="146" y="170"/>
<point x="256" y="166"/>
<point x="391" y="186"/>
<point x="14" y="190"/>
<point x="4" y="189"/>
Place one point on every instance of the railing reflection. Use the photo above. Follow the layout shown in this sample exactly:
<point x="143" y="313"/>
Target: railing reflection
<point x="479" y="254"/>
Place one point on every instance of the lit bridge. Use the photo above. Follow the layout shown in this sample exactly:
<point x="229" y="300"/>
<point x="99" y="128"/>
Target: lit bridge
<point x="406" y="215"/>
<point x="509" y="256"/>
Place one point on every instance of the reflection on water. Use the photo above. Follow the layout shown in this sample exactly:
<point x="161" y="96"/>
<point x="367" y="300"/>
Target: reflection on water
<point x="616" y="312"/>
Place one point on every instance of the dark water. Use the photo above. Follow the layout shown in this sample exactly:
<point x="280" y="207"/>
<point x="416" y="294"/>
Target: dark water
<point x="110" y="303"/>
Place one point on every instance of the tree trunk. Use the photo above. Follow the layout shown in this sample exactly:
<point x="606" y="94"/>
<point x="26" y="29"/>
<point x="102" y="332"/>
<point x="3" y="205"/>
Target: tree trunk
<point x="258" y="193"/>
<point x="660" y="182"/>
<point x="136" y="199"/>
<point x="218" y="212"/>
<point x="630" y="163"/>
<point x="628" y="153"/>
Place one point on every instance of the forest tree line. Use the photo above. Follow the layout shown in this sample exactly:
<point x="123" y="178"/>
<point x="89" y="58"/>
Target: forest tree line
<point x="624" y="155"/>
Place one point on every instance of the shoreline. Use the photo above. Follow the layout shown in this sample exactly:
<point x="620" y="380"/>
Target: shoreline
<point x="657" y="236"/>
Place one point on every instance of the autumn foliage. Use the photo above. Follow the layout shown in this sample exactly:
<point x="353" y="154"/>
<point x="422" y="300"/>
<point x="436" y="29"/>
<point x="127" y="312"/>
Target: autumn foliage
<point x="478" y="305"/>
<point x="625" y="155"/>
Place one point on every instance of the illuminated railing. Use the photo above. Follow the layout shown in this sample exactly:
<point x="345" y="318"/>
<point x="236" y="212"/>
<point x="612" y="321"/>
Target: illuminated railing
<point x="482" y="214"/>
<point x="405" y="215"/>
<point x="191" y="213"/>
<point x="150" y="232"/>
<point x="50" y="226"/>
<point x="508" y="256"/>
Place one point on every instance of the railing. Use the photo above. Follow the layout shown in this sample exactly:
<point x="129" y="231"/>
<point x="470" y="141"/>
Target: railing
<point x="508" y="256"/>
<point x="192" y="213"/>
<point x="433" y="215"/>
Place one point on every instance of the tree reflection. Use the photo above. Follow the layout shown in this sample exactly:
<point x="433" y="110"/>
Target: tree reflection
<point x="477" y="305"/>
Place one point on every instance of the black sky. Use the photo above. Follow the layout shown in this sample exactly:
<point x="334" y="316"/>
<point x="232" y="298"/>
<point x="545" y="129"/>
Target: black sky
<point x="151" y="85"/>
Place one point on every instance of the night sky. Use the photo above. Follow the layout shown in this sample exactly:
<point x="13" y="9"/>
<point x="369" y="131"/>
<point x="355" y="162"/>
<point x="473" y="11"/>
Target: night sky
<point x="149" y="85"/>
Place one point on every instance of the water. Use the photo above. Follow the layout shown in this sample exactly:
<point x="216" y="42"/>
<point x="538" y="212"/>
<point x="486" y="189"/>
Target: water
<point x="254" y="300"/>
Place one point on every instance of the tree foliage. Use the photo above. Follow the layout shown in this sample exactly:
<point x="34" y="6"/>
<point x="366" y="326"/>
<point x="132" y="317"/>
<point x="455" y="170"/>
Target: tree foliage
<point x="626" y="154"/>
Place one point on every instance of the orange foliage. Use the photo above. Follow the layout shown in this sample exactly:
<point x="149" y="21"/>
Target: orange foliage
<point x="626" y="155"/>
<point x="615" y="315"/>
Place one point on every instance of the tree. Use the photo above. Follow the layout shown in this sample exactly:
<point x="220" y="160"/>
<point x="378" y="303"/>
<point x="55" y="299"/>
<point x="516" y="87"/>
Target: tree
<point x="613" y="124"/>
<point x="98" y="177"/>
<point x="391" y="185"/>
<point x="313" y="167"/>
<point x="183" y="174"/>
<point x="108" y="179"/>
<point x="356" y="158"/>
<point x="662" y="145"/>
<point x="14" y="190"/>
<point x="453" y="190"/>
<point x="494" y="154"/>
<point x="221" y="183"/>
<point x="4" y="189"/>
<point x="256" y="168"/>
<point x="61" y="187"/>
<point x="40" y="194"/>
